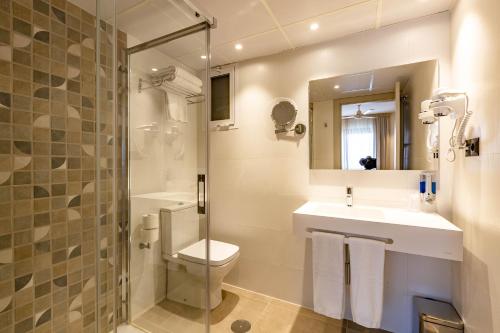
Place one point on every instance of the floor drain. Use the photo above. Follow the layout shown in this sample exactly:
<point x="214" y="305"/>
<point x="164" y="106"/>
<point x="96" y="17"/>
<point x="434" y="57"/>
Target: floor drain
<point x="240" y="326"/>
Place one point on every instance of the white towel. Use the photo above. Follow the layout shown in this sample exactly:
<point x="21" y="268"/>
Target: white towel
<point x="175" y="72"/>
<point x="176" y="106"/>
<point x="367" y="259"/>
<point x="328" y="274"/>
<point x="178" y="80"/>
<point x="184" y="85"/>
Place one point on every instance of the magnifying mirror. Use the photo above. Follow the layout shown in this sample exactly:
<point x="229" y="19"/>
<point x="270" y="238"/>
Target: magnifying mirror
<point x="284" y="113"/>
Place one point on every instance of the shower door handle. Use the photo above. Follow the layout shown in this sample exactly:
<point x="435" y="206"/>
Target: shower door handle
<point x="201" y="194"/>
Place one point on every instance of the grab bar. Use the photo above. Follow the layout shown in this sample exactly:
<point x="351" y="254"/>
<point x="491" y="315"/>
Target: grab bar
<point x="348" y="235"/>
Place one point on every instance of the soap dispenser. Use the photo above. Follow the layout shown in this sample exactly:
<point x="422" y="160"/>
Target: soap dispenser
<point x="348" y="196"/>
<point x="428" y="186"/>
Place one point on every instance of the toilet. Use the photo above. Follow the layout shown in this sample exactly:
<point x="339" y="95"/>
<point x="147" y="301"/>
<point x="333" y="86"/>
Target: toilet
<point x="185" y="255"/>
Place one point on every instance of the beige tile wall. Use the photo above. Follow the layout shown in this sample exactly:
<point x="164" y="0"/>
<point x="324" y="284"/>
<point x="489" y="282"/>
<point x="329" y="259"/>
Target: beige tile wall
<point x="48" y="266"/>
<point x="475" y="30"/>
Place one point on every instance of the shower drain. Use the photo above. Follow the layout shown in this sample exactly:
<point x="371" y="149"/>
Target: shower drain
<point x="240" y="326"/>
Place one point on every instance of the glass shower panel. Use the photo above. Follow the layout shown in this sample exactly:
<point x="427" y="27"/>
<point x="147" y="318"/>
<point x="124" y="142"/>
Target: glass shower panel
<point x="167" y="142"/>
<point x="107" y="165"/>
<point x="122" y="203"/>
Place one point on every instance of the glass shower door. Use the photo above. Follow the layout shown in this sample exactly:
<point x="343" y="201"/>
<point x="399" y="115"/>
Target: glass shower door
<point x="167" y="161"/>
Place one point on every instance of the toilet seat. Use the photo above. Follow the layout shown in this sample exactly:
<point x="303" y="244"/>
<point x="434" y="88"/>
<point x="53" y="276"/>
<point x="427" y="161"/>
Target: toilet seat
<point x="220" y="252"/>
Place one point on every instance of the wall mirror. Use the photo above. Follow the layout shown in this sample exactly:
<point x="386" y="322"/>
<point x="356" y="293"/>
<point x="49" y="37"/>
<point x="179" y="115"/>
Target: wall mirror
<point x="369" y="121"/>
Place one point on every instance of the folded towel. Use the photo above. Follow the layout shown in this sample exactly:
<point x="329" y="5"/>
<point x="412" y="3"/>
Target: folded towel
<point x="185" y="85"/>
<point x="174" y="72"/>
<point x="328" y="274"/>
<point x="176" y="89"/>
<point x="367" y="259"/>
<point x="177" y="80"/>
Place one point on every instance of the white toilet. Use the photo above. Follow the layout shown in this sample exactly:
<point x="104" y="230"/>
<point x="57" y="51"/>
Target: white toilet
<point x="186" y="257"/>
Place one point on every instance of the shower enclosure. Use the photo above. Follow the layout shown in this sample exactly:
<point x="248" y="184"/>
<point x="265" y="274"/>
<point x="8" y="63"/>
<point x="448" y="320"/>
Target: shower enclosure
<point x="153" y="153"/>
<point x="167" y="151"/>
<point x="167" y="163"/>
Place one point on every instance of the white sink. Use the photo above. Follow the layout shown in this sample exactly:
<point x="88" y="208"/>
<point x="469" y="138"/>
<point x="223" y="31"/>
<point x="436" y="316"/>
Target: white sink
<point x="355" y="212"/>
<point x="413" y="232"/>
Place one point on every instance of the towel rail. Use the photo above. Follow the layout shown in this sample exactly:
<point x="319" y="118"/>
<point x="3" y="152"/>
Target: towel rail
<point x="348" y="235"/>
<point x="156" y="84"/>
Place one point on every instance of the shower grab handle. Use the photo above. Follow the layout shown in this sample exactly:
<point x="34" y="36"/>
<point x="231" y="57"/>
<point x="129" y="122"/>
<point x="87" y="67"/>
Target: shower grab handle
<point x="201" y="194"/>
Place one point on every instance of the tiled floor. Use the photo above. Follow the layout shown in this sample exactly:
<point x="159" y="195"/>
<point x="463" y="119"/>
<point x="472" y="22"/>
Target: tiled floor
<point x="266" y="315"/>
<point x="128" y="329"/>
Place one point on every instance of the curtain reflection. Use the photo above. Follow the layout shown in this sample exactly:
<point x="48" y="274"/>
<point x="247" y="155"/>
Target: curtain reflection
<point x="358" y="141"/>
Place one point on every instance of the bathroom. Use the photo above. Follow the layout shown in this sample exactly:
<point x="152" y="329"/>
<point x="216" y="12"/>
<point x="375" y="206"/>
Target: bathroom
<point x="126" y="144"/>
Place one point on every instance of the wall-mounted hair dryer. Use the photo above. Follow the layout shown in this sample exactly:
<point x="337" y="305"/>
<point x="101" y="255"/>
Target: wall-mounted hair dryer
<point x="426" y="115"/>
<point x="446" y="102"/>
<point x="453" y="103"/>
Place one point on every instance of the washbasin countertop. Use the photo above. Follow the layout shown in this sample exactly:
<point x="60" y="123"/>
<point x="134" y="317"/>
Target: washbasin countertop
<point x="412" y="232"/>
<point x="377" y="215"/>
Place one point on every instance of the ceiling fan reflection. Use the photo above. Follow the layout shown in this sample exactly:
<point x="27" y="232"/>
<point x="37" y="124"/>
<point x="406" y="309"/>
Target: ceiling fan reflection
<point x="360" y="114"/>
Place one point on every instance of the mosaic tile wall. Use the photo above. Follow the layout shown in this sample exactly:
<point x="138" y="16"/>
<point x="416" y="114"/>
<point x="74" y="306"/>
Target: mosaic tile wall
<point x="48" y="269"/>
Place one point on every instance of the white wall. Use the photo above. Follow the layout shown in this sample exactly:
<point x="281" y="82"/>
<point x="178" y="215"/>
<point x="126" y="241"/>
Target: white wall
<point x="258" y="181"/>
<point x="475" y="30"/>
<point x="323" y="139"/>
<point x="164" y="161"/>
<point x="146" y="161"/>
<point x="424" y="80"/>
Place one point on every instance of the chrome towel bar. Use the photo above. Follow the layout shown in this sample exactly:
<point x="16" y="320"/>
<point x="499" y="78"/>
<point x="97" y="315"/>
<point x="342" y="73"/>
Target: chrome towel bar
<point x="348" y="235"/>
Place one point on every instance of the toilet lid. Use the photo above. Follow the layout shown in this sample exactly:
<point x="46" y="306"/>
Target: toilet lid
<point x="220" y="252"/>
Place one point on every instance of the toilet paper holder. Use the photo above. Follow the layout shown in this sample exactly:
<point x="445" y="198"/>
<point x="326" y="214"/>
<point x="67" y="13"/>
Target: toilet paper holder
<point x="149" y="230"/>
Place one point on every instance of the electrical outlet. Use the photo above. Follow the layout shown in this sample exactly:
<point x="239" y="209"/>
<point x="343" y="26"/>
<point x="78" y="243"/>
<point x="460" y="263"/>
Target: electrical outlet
<point x="472" y="147"/>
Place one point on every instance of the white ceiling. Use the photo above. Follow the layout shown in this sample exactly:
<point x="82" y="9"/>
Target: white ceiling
<point x="368" y="108"/>
<point x="373" y="82"/>
<point x="263" y="27"/>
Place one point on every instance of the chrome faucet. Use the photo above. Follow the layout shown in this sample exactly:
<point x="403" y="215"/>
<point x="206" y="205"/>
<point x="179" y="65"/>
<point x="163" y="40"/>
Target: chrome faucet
<point x="348" y="196"/>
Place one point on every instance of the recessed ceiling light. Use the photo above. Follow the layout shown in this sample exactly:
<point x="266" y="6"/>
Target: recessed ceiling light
<point x="336" y="86"/>
<point x="238" y="46"/>
<point x="314" y="26"/>
<point x="203" y="57"/>
<point x="154" y="69"/>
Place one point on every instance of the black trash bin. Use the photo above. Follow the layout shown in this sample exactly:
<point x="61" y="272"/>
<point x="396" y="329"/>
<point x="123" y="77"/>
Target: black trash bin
<point x="433" y="316"/>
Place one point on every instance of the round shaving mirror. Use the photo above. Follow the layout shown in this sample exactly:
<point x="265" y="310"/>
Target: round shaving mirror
<point x="284" y="113"/>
